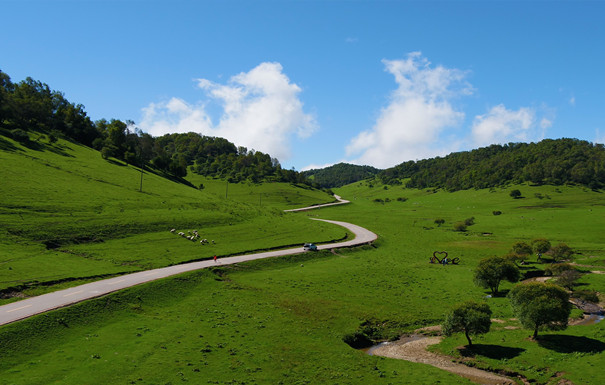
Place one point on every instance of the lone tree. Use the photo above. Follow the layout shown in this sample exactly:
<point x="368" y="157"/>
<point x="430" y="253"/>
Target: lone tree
<point x="491" y="271"/>
<point x="540" y="305"/>
<point x="515" y="194"/>
<point x="469" y="317"/>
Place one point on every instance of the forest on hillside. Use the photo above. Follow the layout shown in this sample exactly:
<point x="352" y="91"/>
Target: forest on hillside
<point x="31" y="106"/>
<point x="550" y="161"/>
<point x="340" y="174"/>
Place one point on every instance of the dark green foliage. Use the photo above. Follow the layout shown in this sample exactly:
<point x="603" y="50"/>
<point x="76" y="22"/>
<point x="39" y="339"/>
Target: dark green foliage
<point x="469" y="221"/>
<point x="550" y="161"/>
<point x="558" y="268"/>
<point x="341" y="174"/>
<point x="561" y="252"/>
<point x="515" y="194"/>
<point x="540" y="305"/>
<point x="497" y="212"/>
<point x="439" y="221"/>
<point x="568" y="278"/>
<point x="540" y="245"/>
<point x="522" y="248"/>
<point x="460" y="226"/>
<point x="469" y="317"/>
<point x="586" y="295"/>
<point x="492" y="271"/>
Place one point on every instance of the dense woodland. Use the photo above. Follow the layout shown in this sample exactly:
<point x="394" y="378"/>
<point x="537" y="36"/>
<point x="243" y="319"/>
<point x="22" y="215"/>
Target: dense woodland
<point x="31" y="106"/>
<point x="556" y="162"/>
<point x="341" y="174"/>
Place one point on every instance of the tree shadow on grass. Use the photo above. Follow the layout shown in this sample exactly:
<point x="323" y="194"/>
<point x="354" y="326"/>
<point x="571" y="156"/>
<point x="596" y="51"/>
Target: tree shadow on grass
<point x="570" y="344"/>
<point x="495" y="352"/>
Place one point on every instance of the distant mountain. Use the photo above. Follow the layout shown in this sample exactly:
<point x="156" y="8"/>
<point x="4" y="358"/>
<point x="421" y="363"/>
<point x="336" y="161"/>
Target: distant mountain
<point x="340" y="174"/>
<point x="551" y="161"/>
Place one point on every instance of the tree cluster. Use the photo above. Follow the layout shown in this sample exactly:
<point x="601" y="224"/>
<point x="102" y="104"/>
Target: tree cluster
<point x="555" y="162"/>
<point x="340" y="174"/>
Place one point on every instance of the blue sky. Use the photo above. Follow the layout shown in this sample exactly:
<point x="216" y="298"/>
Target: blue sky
<point x="315" y="83"/>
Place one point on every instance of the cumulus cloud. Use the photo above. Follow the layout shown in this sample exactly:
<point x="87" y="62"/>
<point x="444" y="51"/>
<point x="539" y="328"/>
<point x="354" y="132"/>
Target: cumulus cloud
<point x="261" y="109"/>
<point x="417" y="114"/>
<point x="501" y="125"/>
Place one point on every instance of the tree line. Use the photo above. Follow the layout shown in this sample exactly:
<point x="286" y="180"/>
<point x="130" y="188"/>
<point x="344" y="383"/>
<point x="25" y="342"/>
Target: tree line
<point x="31" y="106"/>
<point x="550" y="161"/>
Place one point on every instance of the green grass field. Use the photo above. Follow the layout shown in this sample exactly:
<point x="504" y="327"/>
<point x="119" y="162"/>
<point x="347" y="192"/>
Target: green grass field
<point x="69" y="215"/>
<point x="282" y="321"/>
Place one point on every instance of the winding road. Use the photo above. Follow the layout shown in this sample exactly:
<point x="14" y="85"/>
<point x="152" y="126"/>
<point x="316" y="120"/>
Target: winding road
<point x="28" y="307"/>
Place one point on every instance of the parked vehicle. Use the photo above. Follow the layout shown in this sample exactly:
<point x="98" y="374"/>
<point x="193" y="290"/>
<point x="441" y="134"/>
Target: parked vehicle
<point x="309" y="247"/>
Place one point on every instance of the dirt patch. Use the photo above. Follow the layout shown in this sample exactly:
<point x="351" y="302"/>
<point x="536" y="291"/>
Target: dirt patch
<point x="413" y="349"/>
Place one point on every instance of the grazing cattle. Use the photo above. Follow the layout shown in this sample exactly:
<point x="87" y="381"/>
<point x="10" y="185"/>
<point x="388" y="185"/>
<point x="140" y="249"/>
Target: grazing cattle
<point x="173" y="230"/>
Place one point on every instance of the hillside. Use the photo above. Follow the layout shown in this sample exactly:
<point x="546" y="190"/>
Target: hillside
<point x="554" y="162"/>
<point x="340" y="174"/>
<point x="31" y="106"/>
<point x="68" y="214"/>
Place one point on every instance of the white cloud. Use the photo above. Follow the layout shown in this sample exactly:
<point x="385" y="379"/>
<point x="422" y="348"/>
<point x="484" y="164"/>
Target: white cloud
<point x="418" y="113"/>
<point x="572" y="101"/>
<point x="261" y="109"/>
<point x="501" y="125"/>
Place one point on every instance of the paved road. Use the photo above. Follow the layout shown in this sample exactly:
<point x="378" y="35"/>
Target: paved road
<point x="26" y="308"/>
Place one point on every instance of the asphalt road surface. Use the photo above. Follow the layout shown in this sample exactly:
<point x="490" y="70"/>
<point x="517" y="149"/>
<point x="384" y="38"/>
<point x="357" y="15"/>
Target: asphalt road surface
<point x="28" y="307"/>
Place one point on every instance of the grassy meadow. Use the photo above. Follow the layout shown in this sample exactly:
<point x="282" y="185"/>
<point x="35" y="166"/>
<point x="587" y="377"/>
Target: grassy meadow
<point x="283" y="320"/>
<point x="67" y="215"/>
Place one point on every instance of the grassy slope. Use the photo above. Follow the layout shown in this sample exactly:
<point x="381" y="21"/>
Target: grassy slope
<point x="67" y="195"/>
<point x="282" y="321"/>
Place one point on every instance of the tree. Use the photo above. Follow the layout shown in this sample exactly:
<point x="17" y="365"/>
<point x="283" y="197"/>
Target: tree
<point x="561" y="252"/>
<point x="515" y="194"/>
<point x="522" y="248"/>
<point x="491" y="271"/>
<point x="540" y="246"/>
<point x="460" y="226"/>
<point x="438" y="221"/>
<point x="568" y="278"/>
<point x="469" y="317"/>
<point x="540" y="305"/>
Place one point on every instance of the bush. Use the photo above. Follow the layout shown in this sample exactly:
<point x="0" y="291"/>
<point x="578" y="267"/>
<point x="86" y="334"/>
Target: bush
<point x="402" y="199"/>
<point x="522" y="248"/>
<point x="439" y="221"/>
<point x="586" y="295"/>
<point x="469" y="221"/>
<point x="561" y="252"/>
<point x="20" y="136"/>
<point x="497" y="212"/>
<point x="460" y="226"/>
<point x="558" y="268"/>
<point x="515" y="194"/>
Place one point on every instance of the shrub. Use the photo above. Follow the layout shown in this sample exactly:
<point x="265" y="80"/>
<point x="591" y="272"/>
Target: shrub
<point x="439" y="221"/>
<point x="460" y="226"/>
<point x="469" y="221"/>
<point x="561" y="252"/>
<point x="522" y="248"/>
<point x="568" y="279"/>
<point x="20" y="136"/>
<point x="497" y="212"/>
<point x="586" y="295"/>
<point x="558" y="268"/>
<point x="515" y="194"/>
<point x="402" y="199"/>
